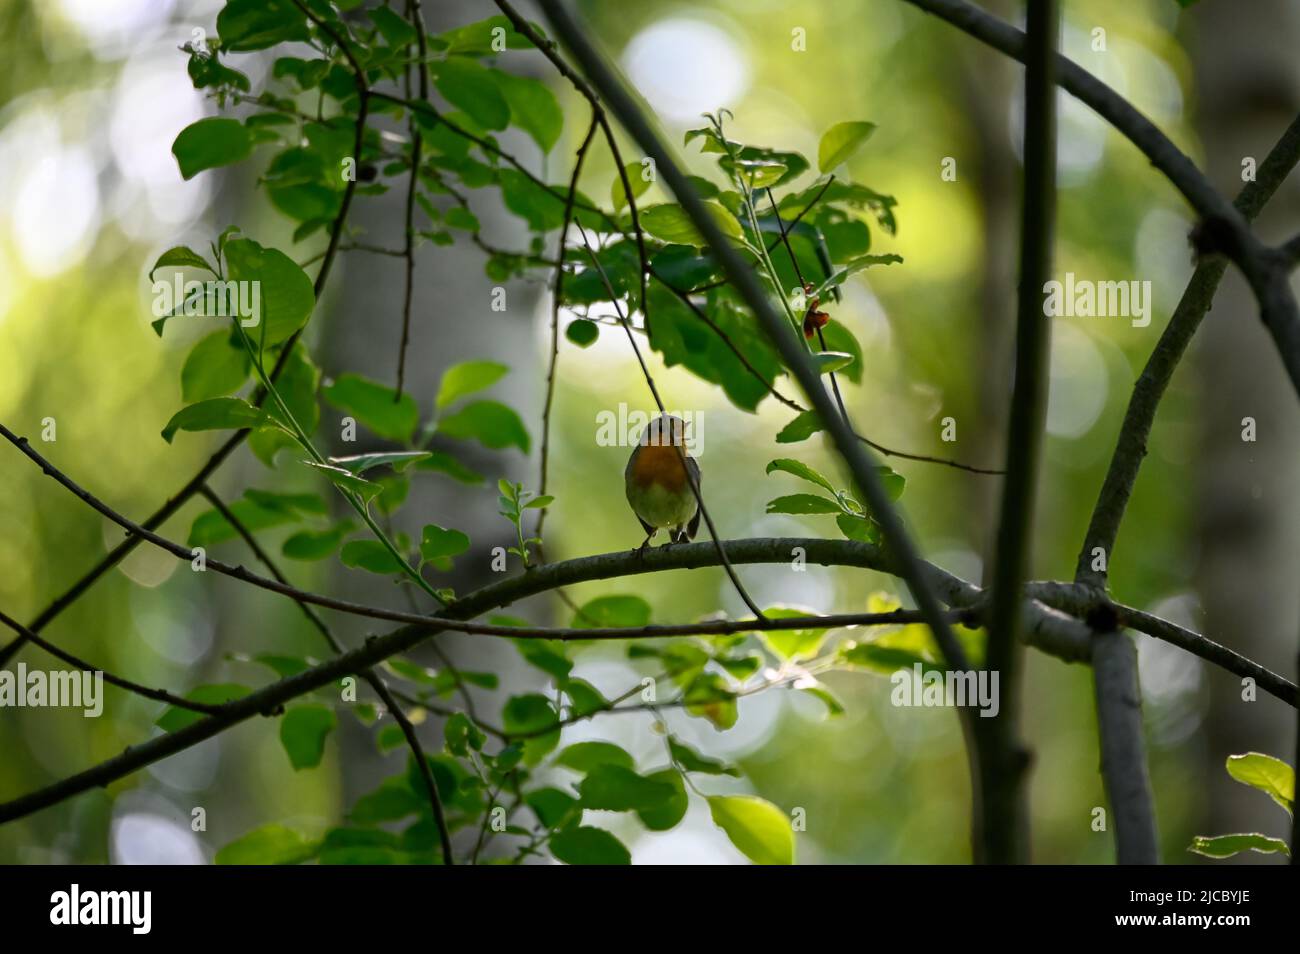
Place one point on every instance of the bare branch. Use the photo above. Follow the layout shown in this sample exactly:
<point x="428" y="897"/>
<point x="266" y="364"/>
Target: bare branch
<point x="1131" y="446"/>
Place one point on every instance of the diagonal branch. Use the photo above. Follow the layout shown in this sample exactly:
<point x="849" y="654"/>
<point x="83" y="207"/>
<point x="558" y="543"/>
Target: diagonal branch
<point x="1224" y="229"/>
<point x="1131" y="447"/>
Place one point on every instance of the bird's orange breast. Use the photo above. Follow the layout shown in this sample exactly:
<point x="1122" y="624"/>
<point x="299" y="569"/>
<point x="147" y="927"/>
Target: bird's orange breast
<point x="653" y="464"/>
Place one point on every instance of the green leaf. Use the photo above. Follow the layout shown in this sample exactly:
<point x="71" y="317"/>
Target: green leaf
<point x="209" y="143"/>
<point x="360" y="463"/>
<point x="613" y="788"/>
<point x="392" y="800"/>
<point x="214" y="367"/>
<point x="585" y="845"/>
<point x="469" y="86"/>
<point x="257" y="24"/>
<point x="314" y="544"/>
<point x="840" y="142"/>
<point x="584" y="698"/>
<point x="802" y="503"/>
<point x="841" y="274"/>
<point x="833" y="705"/>
<point x="757" y="827"/>
<point x="298" y="383"/>
<point x="839" y="338"/>
<point x="1225" y="846"/>
<point x="692" y="761"/>
<point x="303" y="731"/>
<point x="534" y="716"/>
<point x="551" y="806"/>
<point x="861" y="529"/>
<point x="461" y="735"/>
<point x="828" y="361"/>
<point x="546" y="654"/>
<point x="588" y="756"/>
<point x="375" y="405"/>
<point x="636" y="179"/>
<point x="792" y="643"/>
<point x="670" y="223"/>
<point x="671" y="810"/>
<point x="285" y="294"/>
<point x="370" y="555"/>
<point x="709" y="697"/>
<point x="395" y="30"/>
<point x="533" y="108"/>
<point x="582" y="332"/>
<point x="541" y="207"/>
<point x="466" y="378"/>
<point x="490" y="423"/>
<point x="1271" y="776"/>
<point x="268" y="845"/>
<point x="480" y="38"/>
<point x="801" y="470"/>
<point x="755" y="173"/>
<point x="215" y="414"/>
<point x="684" y="268"/>
<point x="174" y="718"/>
<point x="180" y="257"/>
<point x="437" y="543"/>
<point x="347" y="481"/>
<point x="609" y="611"/>
<point x="804" y="426"/>
<point x="444" y="463"/>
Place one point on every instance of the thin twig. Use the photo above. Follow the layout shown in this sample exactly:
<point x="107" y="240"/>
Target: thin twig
<point x="158" y="695"/>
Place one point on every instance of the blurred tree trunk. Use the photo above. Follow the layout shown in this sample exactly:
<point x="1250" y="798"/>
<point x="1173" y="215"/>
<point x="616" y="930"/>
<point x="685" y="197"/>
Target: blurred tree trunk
<point x="1248" y="515"/>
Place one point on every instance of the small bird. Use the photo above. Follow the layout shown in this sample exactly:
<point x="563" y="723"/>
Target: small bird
<point x="658" y="487"/>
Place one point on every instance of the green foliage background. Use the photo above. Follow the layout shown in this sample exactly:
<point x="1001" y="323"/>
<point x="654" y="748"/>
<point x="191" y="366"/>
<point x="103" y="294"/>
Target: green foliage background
<point x="878" y="784"/>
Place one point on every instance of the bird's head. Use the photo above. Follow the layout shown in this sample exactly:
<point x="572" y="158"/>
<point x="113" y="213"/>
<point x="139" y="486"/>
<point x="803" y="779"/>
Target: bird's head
<point x="664" y="431"/>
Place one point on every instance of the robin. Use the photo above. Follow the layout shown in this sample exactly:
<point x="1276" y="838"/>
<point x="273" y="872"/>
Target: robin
<point x="658" y="486"/>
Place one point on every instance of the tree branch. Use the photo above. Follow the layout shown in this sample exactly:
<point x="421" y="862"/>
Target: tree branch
<point x="1131" y="446"/>
<point x="1002" y="832"/>
<point x="1123" y="751"/>
<point x="1224" y="229"/>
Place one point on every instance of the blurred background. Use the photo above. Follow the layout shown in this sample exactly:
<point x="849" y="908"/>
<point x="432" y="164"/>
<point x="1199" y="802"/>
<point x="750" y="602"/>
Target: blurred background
<point x="93" y="92"/>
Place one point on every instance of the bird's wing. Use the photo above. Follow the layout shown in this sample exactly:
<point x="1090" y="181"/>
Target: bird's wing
<point x="694" y="525"/>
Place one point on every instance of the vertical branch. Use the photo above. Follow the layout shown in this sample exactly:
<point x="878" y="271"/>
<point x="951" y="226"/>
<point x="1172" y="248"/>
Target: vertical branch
<point x="417" y="148"/>
<point x="557" y="297"/>
<point x="1002" y="833"/>
<point x="1123" y="750"/>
